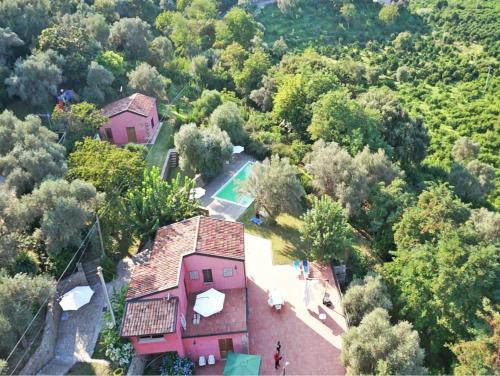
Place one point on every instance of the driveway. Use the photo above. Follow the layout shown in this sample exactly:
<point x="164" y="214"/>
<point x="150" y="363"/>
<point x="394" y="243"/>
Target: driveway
<point x="310" y="346"/>
<point x="224" y="209"/>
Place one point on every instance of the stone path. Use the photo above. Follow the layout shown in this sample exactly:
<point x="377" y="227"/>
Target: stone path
<point x="78" y="332"/>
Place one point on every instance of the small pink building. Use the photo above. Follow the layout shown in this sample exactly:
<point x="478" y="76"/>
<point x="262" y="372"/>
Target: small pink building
<point x="187" y="258"/>
<point x="133" y="119"/>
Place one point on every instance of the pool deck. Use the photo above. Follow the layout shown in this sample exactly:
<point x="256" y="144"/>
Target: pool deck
<point x="224" y="209"/>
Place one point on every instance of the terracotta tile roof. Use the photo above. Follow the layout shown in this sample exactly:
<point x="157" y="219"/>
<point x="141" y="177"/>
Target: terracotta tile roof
<point x="202" y="235"/>
<point x="137" y="103"/>
<point x="148" y="317"/>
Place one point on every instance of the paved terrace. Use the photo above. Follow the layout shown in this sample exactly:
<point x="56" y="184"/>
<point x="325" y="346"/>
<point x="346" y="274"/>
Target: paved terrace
<point x="233" y="318"/>
<point x="311" y="346"/>
<point x="224" y="209"/>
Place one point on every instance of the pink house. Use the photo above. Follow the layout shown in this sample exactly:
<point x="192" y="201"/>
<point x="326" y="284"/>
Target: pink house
<point x="131" y="119"/>
<point x="187" y="258"/>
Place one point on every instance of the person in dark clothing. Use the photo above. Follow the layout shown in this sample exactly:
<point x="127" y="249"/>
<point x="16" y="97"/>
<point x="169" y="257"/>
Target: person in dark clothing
<point x="277" y="358"/>
<point x="278" y="347"/>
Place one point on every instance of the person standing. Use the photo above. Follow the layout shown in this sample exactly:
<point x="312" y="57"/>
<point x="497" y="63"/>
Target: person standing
<point x="277" y="358"/>
<point x="278" y="347"/>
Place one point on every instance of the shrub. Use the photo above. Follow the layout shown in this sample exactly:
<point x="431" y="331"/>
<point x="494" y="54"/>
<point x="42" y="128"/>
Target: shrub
<point x="118" y="350"/>
<point x="173" y="365"/>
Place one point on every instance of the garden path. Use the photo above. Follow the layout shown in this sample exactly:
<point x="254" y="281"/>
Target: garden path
<point x="79" y="330"/>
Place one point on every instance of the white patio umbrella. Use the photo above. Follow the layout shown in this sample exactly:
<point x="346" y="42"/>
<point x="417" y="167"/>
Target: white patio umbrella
<point x="198" y="192"/>
<point x="238" y="149"/>
<point x="76" y="298"/>
<point x="209" y="302"/>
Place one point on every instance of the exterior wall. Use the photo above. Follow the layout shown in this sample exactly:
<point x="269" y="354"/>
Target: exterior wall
<point x="199" y="262"/>
<point x="204" y="345"/>
<point x="196" y="347"/>
<point x="46" y="350"/>
<point x="171" y="342"/>
<point x="120" y="122"/>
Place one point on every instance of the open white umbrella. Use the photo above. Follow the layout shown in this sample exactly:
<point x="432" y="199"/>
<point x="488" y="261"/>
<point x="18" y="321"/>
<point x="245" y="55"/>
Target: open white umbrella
<point x="238" y="149"/>
<point x="76" y="298"/>
<point x="198" y="192"/>
<point x="209" y="302"/>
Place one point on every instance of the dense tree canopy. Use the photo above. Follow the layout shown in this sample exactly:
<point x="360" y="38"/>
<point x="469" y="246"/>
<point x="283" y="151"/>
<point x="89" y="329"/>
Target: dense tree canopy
<point x="363" y="296"/>
<point x="373" y="107"/>
<point x="228" y="118"/>
<point x="275" y="187"/>
<point x="377" y="347"/>
<point x="109" y="168"/>
<point x="155" y="203"/>
<point x="36" y="79"/>
<point x="20" y="297"/>
<point x="203" y="150"/>
<point x="29" y="152"/>
<point x="326" y="233"/>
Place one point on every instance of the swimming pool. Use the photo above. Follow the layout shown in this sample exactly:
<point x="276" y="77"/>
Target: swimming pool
<point x="228" y="192"/>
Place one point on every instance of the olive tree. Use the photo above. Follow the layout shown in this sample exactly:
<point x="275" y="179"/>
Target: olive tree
<point x="377" y="347"/>
<point x="29" y="152"/>
<point x="62" y="211"/>
<point x="20" y="297"/>
<point x="363" y="296"/>
<point x="131" y="35"/>
<point x="275" y="186"/>
<point x="36" y="79"/>
<point x="335" y="173"/>
<point x="203" y="150"/>
<point x="145" y="79"/>
<point x="228" y="118"/>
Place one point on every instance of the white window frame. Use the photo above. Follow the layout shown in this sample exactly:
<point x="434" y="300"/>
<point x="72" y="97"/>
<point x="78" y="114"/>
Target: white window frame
<point x="227" y="272"/>
<point x="194" y="275"/>
<point x="150" y="339"/>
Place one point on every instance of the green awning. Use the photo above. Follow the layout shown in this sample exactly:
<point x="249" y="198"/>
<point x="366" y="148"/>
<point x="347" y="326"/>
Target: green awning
<point x="242" y="364"/>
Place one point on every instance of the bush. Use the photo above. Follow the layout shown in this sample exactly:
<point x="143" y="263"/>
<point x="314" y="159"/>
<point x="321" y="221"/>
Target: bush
<point x="26" y="262"/>
<point x="118" y="350"/>
<point x="108" y="268"/>
<point x="257" y="149"/>
<point x="173" y="365"/>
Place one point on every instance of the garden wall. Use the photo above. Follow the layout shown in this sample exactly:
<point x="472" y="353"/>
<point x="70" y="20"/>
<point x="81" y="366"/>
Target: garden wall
<point x="137" y="365"/>
<point x="45" y="351"/>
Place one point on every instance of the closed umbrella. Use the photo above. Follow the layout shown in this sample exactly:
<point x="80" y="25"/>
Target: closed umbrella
<point x="238" y="149"/>
<point x="198" y="192"/>
<point x="307" y="293"/>
<point x="209" y="302"/>
<point x="76" y="298"/>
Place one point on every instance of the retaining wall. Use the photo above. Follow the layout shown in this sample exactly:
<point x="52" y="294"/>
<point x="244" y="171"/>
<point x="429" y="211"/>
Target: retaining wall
<point x="45" y="351"/>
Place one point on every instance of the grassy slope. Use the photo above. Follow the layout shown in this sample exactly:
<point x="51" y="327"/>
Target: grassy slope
<point x="159" y="150"/>
<point x="285" y="236"/>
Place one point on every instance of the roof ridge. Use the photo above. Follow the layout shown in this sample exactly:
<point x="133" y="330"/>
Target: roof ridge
<point x="197" y="232"/>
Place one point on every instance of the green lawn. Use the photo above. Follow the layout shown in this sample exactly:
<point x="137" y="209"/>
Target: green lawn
<point x="158" y="151"/>
<point x="320" y="22"/>
<point x="284" y="236"/>
<point x="84" y="368"/>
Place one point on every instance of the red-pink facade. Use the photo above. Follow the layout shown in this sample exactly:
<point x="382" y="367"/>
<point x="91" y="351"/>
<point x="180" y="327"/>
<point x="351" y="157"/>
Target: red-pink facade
<point x="129" y="124"/>
<point x="212" y="336"/>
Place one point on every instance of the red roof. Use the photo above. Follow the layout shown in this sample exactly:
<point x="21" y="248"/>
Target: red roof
<point x="198" y="235"/>
<point x="137" y="103"/>
<point x="148" y="317"/>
